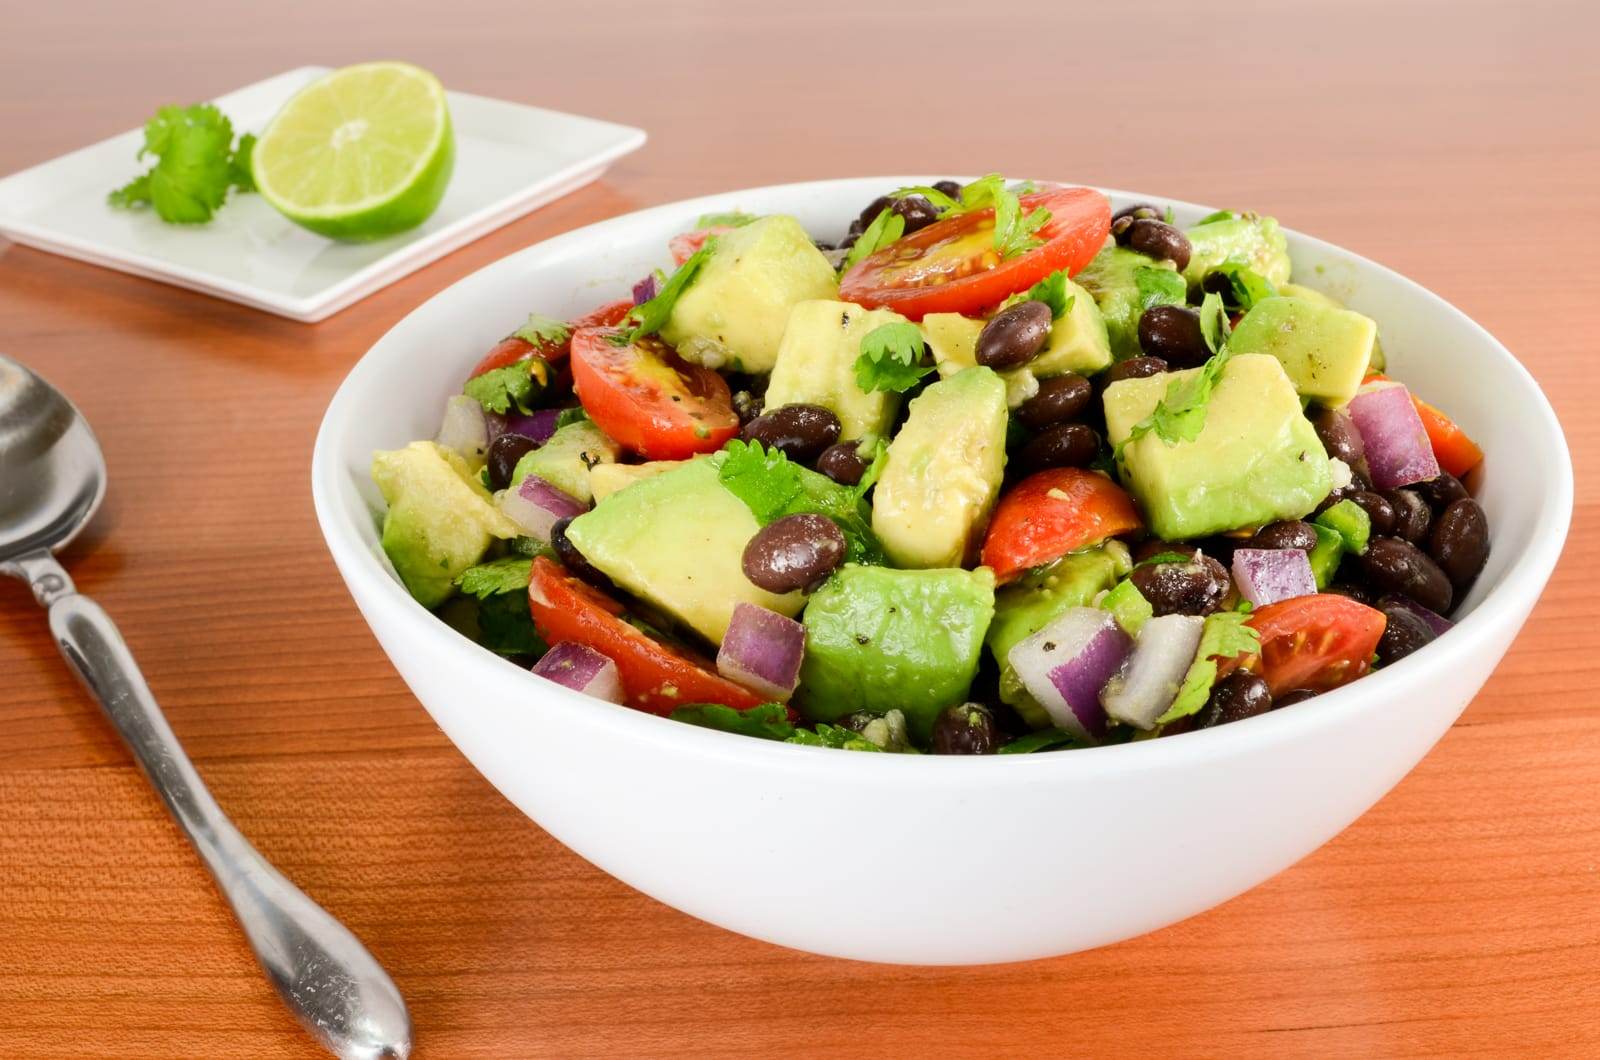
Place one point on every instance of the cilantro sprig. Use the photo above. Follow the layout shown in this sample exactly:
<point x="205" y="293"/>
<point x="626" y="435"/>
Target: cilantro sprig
<point x="1158" y="286"/>
<point x="1246" y="286"/>
<point x="541" y="330"/>
<point x="507" y="575"/>
<point x="773" y="487"/>
<point x="1180" y="416"/>
<point x="885" y="228"/>
<point x="515" y="385"/>
<point x="1014" y="228"/>
<point x="650" y="317"/>
<point x="197" y="164"/>
<point x="891" y="358"/>
<point x="1224" y="636"/>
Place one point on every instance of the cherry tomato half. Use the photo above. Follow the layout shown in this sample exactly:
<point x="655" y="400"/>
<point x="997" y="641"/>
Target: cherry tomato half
<point x="511" y="349"/>
<point x="656" y="676"/>
<point x="1051" y="513"/>
<point x="951" y="266"/>
<point x="649" y="399"/>
<point x="684" y="245"/>
<point x="1317" y="642"/>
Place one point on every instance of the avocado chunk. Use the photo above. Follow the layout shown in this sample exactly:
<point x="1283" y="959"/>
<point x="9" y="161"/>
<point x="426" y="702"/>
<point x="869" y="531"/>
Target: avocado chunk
<point x="1078" y="342"/>
<point x="606" y="479"/>
<point x="676" y="540"/>
<point x="1325" y="349"/>
<point x="1378" y="361"/>
<point x="1112" y="278"/>
<point x="566" y="459"/>
<point x="1023" y="608"/>
<point x="440" y="519"/>
<point x="1257" y="459"/>
<point x="943" y="472"/>
<point x="879" y="639"/>
<point x="1246" y="239"/>
<point x="733" y="314"/>
<point x="816" y="365"/>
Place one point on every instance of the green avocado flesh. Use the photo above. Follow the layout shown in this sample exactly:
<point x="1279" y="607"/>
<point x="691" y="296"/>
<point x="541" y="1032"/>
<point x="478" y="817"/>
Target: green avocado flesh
<point x="879" y="639"/>
<point x="440" y="519"/>
<point x="677" y="539"/>
<point x="1324" y="349"/>
<point x="733" y="315"/>
<point x="1248" y="240"/>
<point x="566" y="460"/>
<point x="1257" y="459"/>
<point x="816" y="365"/>
<point x="1112" y="281"/>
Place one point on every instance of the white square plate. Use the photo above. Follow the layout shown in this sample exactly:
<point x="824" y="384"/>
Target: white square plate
<point x="510" y="158"/>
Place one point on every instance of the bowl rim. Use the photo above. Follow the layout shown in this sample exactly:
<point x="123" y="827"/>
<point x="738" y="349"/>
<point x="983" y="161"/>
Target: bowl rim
<point x="1514" y="594"/>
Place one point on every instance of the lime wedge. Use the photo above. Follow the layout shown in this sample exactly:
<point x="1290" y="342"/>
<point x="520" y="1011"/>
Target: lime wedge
<point x="360" y="153"/>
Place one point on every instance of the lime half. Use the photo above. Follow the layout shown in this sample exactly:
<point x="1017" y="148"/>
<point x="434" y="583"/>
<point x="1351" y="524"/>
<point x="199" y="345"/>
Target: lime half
<point x="360" y="153"/>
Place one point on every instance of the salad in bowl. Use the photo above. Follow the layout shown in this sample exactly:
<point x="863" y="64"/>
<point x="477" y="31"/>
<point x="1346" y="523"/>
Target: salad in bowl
<point x="999" y="471"/>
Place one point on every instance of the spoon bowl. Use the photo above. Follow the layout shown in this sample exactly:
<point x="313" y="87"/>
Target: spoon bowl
<point x="52" y="472"/>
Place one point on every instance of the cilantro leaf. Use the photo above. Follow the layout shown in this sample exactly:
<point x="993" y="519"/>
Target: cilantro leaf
<point x="508" y="575"/>
<point x="1220" y="215"/>
<point x="531" y="547"/>
<point x="836" y="736"/>
<point x="541" y="330"/>
<point x="773" y="487"/>
<point x="1180" y="416"/>
<point x="576" y="414"/>
<point x="505" y="625"/>
<point x="941" y="202"/>
<point x="891" y="358"/>
<point x="1224" y="636"/>
<point x="1159" y="286"/>
<point x="1052" y="291"/>
<point x="196" y="165"/>
<point x="885" y="228"/>
<point x="732" y="219"/>
<point x="500" y="388"/>
<point x="1214" y="325"/>
<point x="1043" y="740"/>
<point x="874" y="471"/>
<point x="1013" y="230"/>
<point x="650" y="317"/>
<point x="1246" y="286"/>
<point x="769" y="721"/>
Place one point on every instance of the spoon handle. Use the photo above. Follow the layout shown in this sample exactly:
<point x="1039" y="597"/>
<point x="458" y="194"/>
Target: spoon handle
<point x="333" y="985"/>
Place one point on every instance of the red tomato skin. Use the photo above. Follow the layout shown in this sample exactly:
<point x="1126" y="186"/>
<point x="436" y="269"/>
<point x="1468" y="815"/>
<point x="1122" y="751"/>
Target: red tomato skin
<point x="684" y="245"/>
<point x="1051" y="513"/>
<point x="656" y="677"/>
<point x="510" y="350"/>
<point x="1079" y="223"/>
<point x="637" y="410"/>
<point x="1318" y="642"/>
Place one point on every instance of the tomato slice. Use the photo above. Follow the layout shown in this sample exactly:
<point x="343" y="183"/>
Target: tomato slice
<point x="656" y="676"/>
<point x="1051" y="513"/>
<point x="1317" y="642"/>
<point x="649" y="399"/>
<point x="684" y="245"/>
<point x="951" y="266"/>
<point x="1456" y="452"/>
<point x="511" y="349"/>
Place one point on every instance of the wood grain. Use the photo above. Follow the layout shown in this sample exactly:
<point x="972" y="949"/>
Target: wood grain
<point x="1455" y="142"/>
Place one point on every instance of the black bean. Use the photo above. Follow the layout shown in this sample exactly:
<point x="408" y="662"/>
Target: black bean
<point x="1238" y="696"/>
<point x="949" y="187"/>
<point x="1335" y="496"/>
<point x="1139" y="211"/>
<point x="1064" y="445"/>
<point x="795" y="552"/>
<point x="1160" y="241"/>
<point x="575" y="562"/>
<point x="917" y="211"/>
<point x="1460" y="542"/>
<point x="1295" y="695"/>
<point x="1379" y="511"/>
<point x="1285" y="533"/>
<point x="1195" y="587"/>
<point x="1014" y="336"/>
<point x="965" y="729"/>
<point x="843" y="463"/>
<point x="504" y="452"/>
<point x="1135" y="368"/>
<point x="1060" y="399"/>
<point x="801" y="432"/>
<point x="1394" y="565"/>
<point x="747" y="405"/>
<point x="1404" y="634"/>
<point x="1339" y="436"/>
<point x="1361" y="594"/>
<point x="1172" y="333"/>
<point x="1412" y="517"/>
<point x="1217" y="283"/>
<point x="1441" y="492"/>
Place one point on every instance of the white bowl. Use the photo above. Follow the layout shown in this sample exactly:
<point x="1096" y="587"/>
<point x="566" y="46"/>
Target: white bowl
<point x="931" y="860"/>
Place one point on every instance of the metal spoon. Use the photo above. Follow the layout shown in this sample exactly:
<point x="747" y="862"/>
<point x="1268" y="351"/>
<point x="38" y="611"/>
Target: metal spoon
<point x="52" y="478"/>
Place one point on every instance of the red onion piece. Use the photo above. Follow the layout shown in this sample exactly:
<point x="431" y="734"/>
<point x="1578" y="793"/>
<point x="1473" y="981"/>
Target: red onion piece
<point x="1432" y="619"/>
<point x="535" y="506"/>
<point x="1066" y="664"/>
<point x="1267" y="575"/>
<point x="465" y="428"/>
<point x="762" y="650"/>
<point x="646" y="289"/>
<point x="1398" y="450"/>
<point x="538" y="425"/>
<point x="582" y="669"/>
<point x="1148" y="683"/>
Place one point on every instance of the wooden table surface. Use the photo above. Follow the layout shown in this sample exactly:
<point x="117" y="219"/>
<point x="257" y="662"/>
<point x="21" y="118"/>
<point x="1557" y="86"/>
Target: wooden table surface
<point x="1456" y="142"/>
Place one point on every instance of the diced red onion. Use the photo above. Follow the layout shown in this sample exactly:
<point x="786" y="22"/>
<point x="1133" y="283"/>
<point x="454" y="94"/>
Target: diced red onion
<point x="1267" y="575"/>
<point x="535" y="506"/>
<point x="1066" y="664"/>
<point x="1398" y="450"/>
<point x="582" y="669"/>
<point x="538" y="425"/>
<point x="464" y="428"/>
<point x="1434" y="621"/>
<point x="646" y="289"/>
<point x="762" y="650"/>
<point x="1148" y="683"/>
